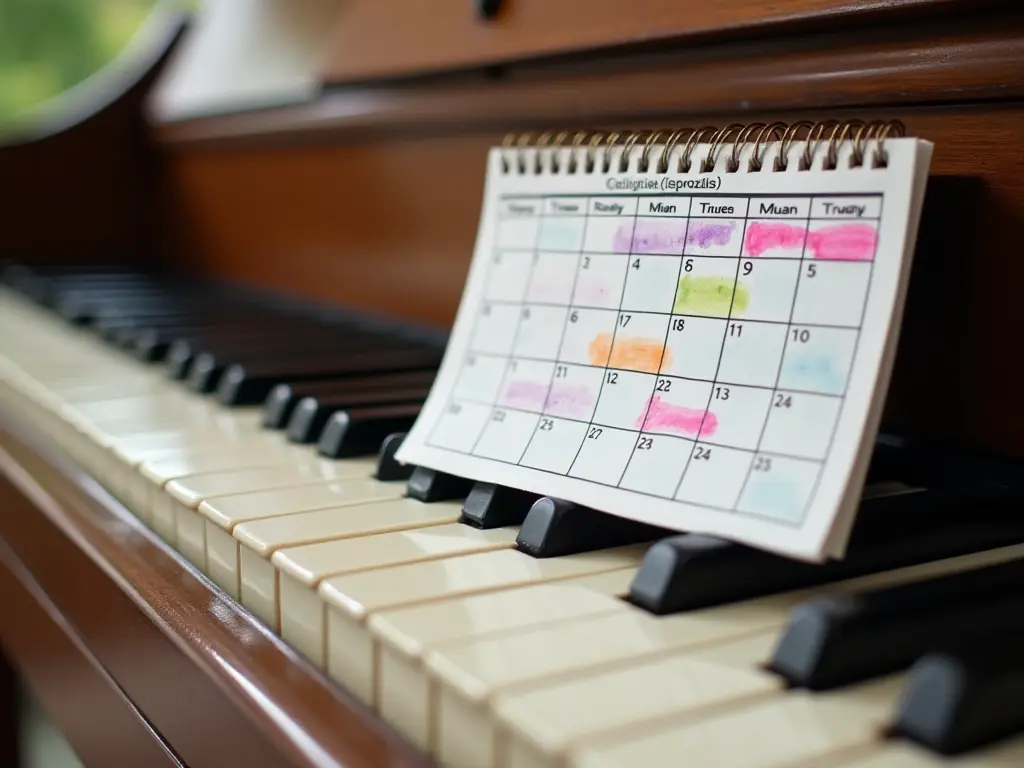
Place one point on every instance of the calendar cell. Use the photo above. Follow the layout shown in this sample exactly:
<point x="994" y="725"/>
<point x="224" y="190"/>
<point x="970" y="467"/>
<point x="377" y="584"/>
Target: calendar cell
<point x="518" y="233"/>
<point x="651" y="283"/>
<point x="778" y="488"/>
<point x="561" y="233"/>
<point x="714" y="237"/>
<point x="509" y="275"/>
<point x="658" y="235"/>
<point x="775" y="238"/>
<point x="639" y="343"/>
<point x="588" y="334"/>
<point x="656" y="464"/>
<point x="817" y="359"/>
<point x="552" y="277"/>
<point x="800" y="424"/>
<point x="480" y="378"/>
<point x="714" y="476"/>
<point x="693" y="346"/>
<point x="608" y="234"/>
<point x="459" y="426"/>
<point x="525" y="386"/>
<point x="623" y="400"/>
<point x="678" y="407"/>
<point x="554" y="444"/>
<point x="752" y="353"/>
<point x="603" y="455"/>
<point x="495" y="329"/>
<point x="539" y="332"/>
<point x="765" y="288"/>
<point x="736" y="415"/>
<point x="709" y="287"/>
<point x="841" y="240"/>
<point x="574" y="390"/>
<point x="599" y="280"/>
<point x="506" y="435"/>
<point x="832" y="293"/>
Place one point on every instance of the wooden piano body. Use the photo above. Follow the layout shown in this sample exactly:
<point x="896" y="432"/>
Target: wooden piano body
<point x="369" y="196"/>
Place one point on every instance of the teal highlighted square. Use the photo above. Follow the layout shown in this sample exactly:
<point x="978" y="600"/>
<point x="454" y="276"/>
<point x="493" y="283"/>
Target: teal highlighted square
<point x="817" y="359"/>
<point x="779" y="488"/>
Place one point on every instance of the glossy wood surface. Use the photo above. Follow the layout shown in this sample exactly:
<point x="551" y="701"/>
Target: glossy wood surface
<point x="213" y="682"/>
<point x="387" y="38"/>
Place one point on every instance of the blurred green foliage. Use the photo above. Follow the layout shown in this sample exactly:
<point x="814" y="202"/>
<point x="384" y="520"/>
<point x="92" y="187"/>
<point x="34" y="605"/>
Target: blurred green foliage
<point x="47" y="46"/>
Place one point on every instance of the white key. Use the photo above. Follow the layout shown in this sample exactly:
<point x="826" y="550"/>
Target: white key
<point x="301" y="569"/>
<point x="1009" y="754"/>
<point x="352" y="599"/>
<point x="259" y="539"/>
<point x="182" y="497"/>
<point x="224" y="513"/>
<point x="403" y="690"/>
<point x="776" y="732"/>
<point x="472" y="674"/>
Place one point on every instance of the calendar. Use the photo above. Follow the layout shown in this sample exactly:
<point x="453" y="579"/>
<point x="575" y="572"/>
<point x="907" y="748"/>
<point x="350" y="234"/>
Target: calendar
<point x="706" y="350"/>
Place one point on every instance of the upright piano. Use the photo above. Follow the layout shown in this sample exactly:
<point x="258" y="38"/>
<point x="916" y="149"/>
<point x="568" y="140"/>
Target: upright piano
<point x="215" y="328"/>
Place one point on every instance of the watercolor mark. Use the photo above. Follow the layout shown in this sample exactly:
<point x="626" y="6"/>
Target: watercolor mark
<point x="666" y="417"/>
<point x="647" y="236"/>
<point x="843" y="242"/>
<point x="704" y="234"/>
<point x="764" y="236"/>
<point x="632" y="353"/>
<point x="711" y="296"/>
<point x="774" y="494"/>
<point x="572" y="400"/>
<point x="815" y="372"/>
<point x="528" y="395"/>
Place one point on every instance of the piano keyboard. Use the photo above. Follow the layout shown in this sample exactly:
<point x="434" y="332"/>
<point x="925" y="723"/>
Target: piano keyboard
<point x="490" y="627"/>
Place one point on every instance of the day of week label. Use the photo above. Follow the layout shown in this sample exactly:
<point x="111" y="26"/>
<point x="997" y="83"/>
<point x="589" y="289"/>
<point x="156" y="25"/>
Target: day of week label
<point x="613" y="206"/>
<point x="516" y="207"/>
<point x="565" y="206"/>
<point x="664" y="206"/>
<point x="846" y="208"/>
<point x="780" y="207"/>
<point x="710" y="207"/>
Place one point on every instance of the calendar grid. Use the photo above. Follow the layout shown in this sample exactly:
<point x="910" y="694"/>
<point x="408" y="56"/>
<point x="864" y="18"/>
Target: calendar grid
<point x="508" y="433"/>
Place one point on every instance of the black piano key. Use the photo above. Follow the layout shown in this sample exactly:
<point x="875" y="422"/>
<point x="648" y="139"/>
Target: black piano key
<point x="554" y="527"/>
<point x="835" y="640"/>
<point x="695" y="571"/>
<point x="281" y="402"/>
<point x="249" y="385"/>
<point x="311" y="414"/>
<point x="359" y="432"/>
<point x="968" y="698"/>
<point x="496" y="506"/>
<point x="388" y="468"/>
<point x="431" y="485"/>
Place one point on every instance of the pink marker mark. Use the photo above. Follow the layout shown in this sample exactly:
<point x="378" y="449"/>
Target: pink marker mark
<point x="843" y="242"/>
<point x="765" y="236"/>
<point x="569" y="400"/>
<point x="525" y="394"/>
<point x="677" y="418"/>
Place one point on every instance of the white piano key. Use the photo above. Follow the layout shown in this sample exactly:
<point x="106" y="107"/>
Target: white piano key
<point x="897" y="754"/>
<point x="773" y="733"/>
<point x="352" y="599"/>
<point x="259" y="539"/>
<point x="470" y="675"/>
<point x="301" y="569"/>
<point x="403" y="692"/>
<point x="224" y="513"/>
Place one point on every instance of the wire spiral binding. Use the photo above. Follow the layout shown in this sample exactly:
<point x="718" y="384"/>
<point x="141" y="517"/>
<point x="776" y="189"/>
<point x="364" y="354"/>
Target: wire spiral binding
<point x="520" y="151"/>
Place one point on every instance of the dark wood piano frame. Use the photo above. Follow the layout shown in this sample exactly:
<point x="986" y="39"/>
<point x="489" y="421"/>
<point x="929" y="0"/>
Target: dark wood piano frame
<point x="369" y="196"/>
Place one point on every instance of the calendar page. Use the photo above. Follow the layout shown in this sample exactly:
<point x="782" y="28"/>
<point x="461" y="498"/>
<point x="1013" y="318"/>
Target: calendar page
<point x="707" y="352"/>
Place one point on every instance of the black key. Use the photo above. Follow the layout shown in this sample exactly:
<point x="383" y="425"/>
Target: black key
<point x="695" y="571"/>
<point x="968" y="698"/>
<point x="430" y="485"/>
<point x="311" y="414"/>
<point x="388" y="468"/>
<point x="554" y="528"/>
<point x="359" y="432"/>
<point x="249" y="385"/>
<point x="496" y="506"/>
<point x="833" y="641"/>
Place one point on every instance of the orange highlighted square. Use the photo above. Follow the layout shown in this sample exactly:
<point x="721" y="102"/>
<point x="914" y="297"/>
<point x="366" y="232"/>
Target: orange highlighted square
<point x="631" y="353"/>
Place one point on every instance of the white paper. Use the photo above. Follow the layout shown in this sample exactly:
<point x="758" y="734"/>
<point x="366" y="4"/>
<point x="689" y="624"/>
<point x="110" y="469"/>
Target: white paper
<point x="707" y="352"/>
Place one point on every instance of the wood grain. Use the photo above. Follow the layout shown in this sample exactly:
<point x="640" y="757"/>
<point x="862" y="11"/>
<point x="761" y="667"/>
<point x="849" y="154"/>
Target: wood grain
<point x="209" y="678"/>
<point x="388" y="38"/>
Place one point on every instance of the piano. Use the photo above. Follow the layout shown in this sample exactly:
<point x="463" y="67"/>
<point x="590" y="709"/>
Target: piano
<point x="215" y="330"/>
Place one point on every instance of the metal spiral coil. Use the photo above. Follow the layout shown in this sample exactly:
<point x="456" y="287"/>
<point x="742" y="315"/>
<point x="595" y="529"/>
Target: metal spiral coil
<point x="604" y="149"/>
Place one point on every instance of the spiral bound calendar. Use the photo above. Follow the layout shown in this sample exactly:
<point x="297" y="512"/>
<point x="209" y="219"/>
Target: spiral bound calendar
<point x="693" y="329"/>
